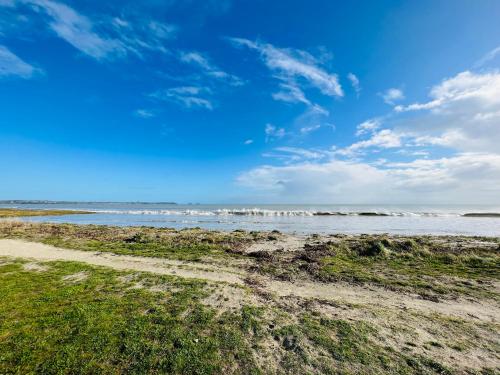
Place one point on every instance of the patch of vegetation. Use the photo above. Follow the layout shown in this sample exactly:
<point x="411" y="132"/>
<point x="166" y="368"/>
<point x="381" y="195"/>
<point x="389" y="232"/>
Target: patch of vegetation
<point x="336" y="346"/>
<point x="102" y="325"/>
<point x="188" y="244"/>
<point x="53" y="320"/>
<point x="406" y="265"/>
<point x="432" y="266"/>
<point x="17" y="212"/>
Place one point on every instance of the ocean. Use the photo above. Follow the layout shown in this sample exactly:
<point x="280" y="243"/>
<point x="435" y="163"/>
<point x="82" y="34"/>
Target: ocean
<point x="306" y="219"/>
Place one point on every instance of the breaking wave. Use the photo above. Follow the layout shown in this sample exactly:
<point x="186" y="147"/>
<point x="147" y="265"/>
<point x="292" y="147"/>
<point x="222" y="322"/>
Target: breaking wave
<point x="289" y="213"/>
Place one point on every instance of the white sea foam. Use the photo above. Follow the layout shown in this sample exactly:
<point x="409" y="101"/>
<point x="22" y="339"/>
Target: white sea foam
<point x="272" y="213"/>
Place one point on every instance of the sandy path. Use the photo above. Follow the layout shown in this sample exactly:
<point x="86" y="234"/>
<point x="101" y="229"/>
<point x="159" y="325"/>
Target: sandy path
<point x="483" y="311"/>
<point x="41" y="252"/>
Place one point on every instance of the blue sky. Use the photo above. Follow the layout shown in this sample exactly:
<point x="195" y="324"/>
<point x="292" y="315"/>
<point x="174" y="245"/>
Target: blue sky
<point x="250" y="101"/>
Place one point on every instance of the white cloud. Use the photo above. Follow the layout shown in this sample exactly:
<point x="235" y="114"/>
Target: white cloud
<point x="313" y="118"/>
<point x="354" y="82"/>
<point x="333" y="181"/>
<point x="392" y="95"/>
<point x="491" y="55"/>
<point x="77" y="30"/>
<point x="106" y="39"/>
<point x="291" y="93"/>
<point x="144" y="113"/>
<point x="463" y="113"/>
<point x="292" y="65"/>
<point x="309" y="129"/>
<point x="273" y="132"/>
<point x="12" y="65"/>
<point x="302" y="153"/>
<point x="209" y="69"/>
<point x="186" y="96"/>
<point x="248" y="142"/>
<point x="384" y="139"/>
<point x="368" y="126"/>
<point x="470" y="177"/>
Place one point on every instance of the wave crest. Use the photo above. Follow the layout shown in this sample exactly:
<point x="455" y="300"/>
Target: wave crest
<point x="288" y="213"/>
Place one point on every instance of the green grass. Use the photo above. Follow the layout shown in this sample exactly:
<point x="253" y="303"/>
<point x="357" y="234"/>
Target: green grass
<point x="437" y="273"/>
<point x="104" y="324"/>
<point x="100" y="325"/>
<point x="189" y="244"/>
<point x="16" y="212"/>
<point x="428" y="267"/>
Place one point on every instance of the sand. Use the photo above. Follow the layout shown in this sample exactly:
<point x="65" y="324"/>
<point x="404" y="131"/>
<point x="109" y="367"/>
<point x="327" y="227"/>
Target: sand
<point x="485" y="311"/>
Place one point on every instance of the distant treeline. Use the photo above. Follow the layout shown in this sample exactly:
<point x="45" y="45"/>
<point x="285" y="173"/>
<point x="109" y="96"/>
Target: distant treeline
<point x="22" y="201"/>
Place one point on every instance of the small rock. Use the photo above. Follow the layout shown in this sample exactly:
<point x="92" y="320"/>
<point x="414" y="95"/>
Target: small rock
<point x="290" y="342"/>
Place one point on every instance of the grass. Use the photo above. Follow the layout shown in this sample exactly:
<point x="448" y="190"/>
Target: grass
<point x="16" y="212"/>
<point x="406" y="265"/>
<point x="103" y="324"/>
<point x="99" y="321"/>
<point x="440" y="274"/>
<point x="433" y="267"/>
<point x="189" y="244"/>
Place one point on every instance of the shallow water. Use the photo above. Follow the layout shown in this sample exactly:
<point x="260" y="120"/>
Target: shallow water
<point x="404" y="219"/>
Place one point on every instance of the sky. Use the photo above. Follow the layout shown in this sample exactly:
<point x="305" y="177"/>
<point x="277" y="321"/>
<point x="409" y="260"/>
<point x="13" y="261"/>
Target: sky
<point x="239" y="101"/>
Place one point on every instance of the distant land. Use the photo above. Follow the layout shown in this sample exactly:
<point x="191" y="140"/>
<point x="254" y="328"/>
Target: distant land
<point x="22" y="201"/>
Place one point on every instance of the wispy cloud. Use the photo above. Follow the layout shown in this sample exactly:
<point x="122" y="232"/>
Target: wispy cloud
<point x="309" y="129"/>
<point x="291" y="93"/>
<point x="354" y="82"/>
<point x="209" y="69"/>
<point x="140" y="34"/>
<point x="273" y="132"/>
<point x="392" y="95"/>
<point x="302" y="153"/>
<point x="491" y="55"/>
<point x="105" y="39"/>
<point x="291" y="66"/>
<point x="12" y="65"/>
<point x="78" y="30"/>
<point x="248" y="142"/>
<point x="382" y="139"/>
<point x="187" y="96"/>
<point x="368" y="126"/>
<point x="144" y="113"/>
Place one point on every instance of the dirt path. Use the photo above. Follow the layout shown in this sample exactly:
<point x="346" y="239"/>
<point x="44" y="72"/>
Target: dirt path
<point x="41" y="252"/>
<point x="481" y="311"/>
<point x="484" y="311"/>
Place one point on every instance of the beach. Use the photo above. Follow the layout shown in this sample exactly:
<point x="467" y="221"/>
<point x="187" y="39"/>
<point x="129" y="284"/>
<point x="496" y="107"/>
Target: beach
<point x="201" y="301"/>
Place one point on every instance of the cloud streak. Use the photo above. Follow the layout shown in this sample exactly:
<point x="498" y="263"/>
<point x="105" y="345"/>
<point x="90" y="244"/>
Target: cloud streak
<point x="354" y="82"/>
<point x="191" y="97"/>
<point x="109" y="38"/>
<point x="209" y="69"/>
<point x="292" y="66"/>
<point x="13" y="66"/>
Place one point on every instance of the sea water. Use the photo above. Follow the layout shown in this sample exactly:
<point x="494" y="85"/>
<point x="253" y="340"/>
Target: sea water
<point x="402" y="219"/>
